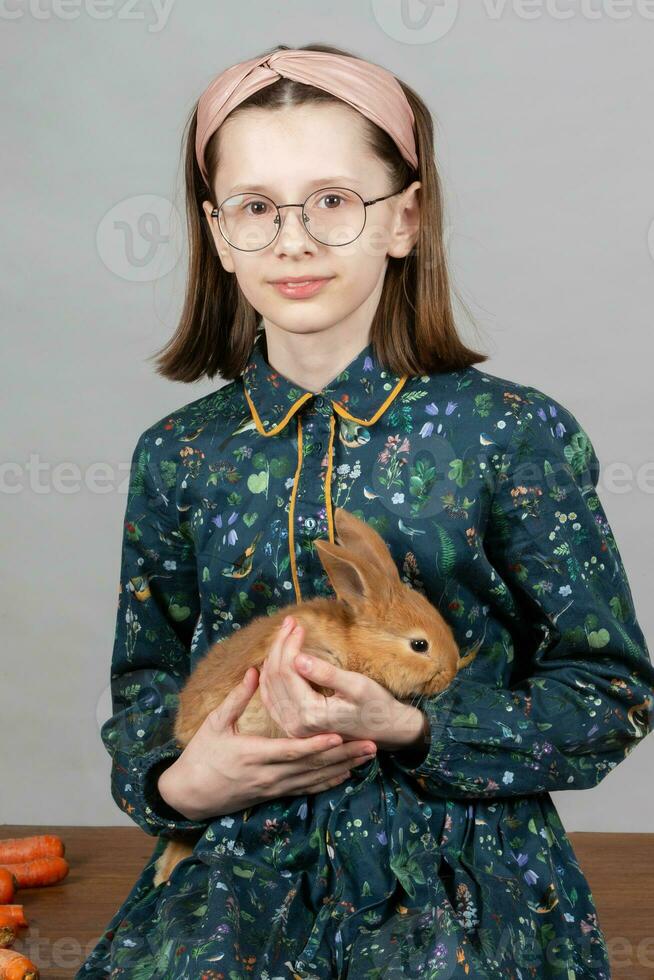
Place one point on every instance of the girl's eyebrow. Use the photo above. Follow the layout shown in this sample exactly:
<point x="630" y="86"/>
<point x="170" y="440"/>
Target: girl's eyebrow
<point x="321" y="181"/>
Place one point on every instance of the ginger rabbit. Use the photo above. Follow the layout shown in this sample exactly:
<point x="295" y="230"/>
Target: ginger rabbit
<point x="377" y="626"/>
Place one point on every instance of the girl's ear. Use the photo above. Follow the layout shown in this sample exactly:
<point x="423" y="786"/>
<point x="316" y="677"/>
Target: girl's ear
<point x="406" y="224"/>
<point x="221" y="245"/>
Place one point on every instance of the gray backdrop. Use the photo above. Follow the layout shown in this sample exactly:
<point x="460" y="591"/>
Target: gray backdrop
<point x="544" y="142"/>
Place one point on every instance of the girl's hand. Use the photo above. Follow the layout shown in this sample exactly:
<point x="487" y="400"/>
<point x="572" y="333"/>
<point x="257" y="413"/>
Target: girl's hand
<point x="221" y="771"/>
<point x="359" y="708"/>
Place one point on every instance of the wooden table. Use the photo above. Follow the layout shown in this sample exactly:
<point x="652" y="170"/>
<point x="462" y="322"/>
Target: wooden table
<point x="67" y="920"/>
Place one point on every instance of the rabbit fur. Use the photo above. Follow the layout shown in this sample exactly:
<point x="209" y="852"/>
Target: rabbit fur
<point x="369" y="628"/>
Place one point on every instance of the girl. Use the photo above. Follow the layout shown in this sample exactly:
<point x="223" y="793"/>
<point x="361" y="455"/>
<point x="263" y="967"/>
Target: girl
<point x="318" y="288"/>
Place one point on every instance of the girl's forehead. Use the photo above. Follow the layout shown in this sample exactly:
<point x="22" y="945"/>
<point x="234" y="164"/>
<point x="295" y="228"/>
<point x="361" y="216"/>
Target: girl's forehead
<point x="330" y="137"/>
<point x="280" y="159"/>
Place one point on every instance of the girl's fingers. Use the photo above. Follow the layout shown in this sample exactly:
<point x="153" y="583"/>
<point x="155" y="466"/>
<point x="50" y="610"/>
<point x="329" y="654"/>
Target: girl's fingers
<point x="272" y="679"/>
<point x="263" y="685"/>
<point x="283" y="687"/>
<point x="294" y="683"/>
<point x="277" y="645"/>
<point x="295" y="689"/>
<point x="280" y="637"/>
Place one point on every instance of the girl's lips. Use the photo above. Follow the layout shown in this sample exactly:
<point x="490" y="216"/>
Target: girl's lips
<point x="300" y="290"/>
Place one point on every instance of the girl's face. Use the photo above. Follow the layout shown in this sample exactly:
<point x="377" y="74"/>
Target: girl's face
<point x="286" y="154"/>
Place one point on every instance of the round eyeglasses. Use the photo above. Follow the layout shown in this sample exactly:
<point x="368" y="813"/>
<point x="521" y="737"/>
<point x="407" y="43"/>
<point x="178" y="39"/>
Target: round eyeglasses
<point x="332" y="216"/>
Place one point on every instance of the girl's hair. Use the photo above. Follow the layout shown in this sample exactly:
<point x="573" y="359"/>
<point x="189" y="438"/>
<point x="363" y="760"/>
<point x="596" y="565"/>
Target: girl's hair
<point x="413" y="330"/>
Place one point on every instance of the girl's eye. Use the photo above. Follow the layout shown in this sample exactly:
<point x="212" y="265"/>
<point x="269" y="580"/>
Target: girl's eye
<point x="333" y="200"/>
<point x="254" y="208"/>
<point x="259" y="208"/>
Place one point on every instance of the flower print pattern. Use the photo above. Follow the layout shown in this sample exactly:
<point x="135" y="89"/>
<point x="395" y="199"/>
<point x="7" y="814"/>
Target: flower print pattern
<point x="452" y="863"/>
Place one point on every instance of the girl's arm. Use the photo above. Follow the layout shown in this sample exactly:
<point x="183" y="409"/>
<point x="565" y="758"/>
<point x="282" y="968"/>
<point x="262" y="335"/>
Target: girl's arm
<point x="158" y="606"/>
<point x="582" y="681"/>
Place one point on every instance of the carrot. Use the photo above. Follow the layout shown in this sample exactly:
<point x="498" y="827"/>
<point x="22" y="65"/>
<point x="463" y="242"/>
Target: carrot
<point x="7" y="936"/>
<point x="13" y="850"/>
<point x="12" y="915"/>
<point x="15" y="966"/>
<point x="8" y="886"/>
<point x="35" y="874"/>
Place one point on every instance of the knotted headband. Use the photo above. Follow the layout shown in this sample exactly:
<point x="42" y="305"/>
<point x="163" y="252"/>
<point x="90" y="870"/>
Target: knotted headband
<point x="373" y="91"/>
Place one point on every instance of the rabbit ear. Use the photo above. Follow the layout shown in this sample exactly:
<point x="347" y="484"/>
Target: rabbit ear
<point x="365" y="544"/>
<point x="353" y="579"/>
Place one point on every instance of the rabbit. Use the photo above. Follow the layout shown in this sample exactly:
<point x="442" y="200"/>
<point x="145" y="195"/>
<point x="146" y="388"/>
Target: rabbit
<point x="377" y="626"/>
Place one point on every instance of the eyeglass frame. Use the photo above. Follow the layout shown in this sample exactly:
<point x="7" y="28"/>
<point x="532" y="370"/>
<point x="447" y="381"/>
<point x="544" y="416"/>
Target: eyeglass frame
<point x="366" y="204"/>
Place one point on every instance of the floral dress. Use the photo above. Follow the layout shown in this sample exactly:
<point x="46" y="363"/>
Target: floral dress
<point x="449" y="864"/>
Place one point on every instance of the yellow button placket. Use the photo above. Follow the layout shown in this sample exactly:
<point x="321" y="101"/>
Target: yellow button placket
<point x="343" y="412"/>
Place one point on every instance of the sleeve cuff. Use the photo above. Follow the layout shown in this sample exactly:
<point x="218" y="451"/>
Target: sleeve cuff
<point x="438" y="708"/>
<point x="157" y="813"/>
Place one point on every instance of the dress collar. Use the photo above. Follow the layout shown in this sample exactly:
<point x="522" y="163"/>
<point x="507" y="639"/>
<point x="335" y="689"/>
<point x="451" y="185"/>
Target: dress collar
<point x="361" y="392"/>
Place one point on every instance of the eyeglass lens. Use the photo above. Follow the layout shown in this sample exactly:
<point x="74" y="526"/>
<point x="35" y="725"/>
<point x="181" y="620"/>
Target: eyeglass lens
<point x="332" y="215"/>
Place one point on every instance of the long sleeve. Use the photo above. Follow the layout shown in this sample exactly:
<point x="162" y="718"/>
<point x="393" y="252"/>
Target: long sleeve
<point x="158" y="606"/>
<point x="581" y="691"/>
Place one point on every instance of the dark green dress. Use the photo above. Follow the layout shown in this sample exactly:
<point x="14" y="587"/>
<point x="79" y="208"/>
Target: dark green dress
<point x="454" y="866"/>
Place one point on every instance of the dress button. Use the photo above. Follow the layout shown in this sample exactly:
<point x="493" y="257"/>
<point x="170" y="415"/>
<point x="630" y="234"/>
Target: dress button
<point x="318" y="446"/>
<point x="319" y="402"/>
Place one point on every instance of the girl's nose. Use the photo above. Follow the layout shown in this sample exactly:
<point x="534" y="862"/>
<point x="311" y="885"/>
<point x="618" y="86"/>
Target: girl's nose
<point x="292" y="231"/>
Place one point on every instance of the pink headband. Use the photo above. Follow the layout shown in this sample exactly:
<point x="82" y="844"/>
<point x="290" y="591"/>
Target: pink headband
<point x="374" y="91"/>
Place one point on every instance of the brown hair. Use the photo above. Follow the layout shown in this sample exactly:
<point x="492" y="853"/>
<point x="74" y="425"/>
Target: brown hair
<point x="413" y="330"/>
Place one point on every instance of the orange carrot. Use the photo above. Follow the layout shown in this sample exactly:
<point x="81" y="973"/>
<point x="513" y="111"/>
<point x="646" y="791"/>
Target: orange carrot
<point x="35" y="874"/>
<point x="8" y="886"/>
<point x="15" y="966"/>
<point x="7" y="936"/>
<point x="16" y="849"/>
<point x="12" y="915"/>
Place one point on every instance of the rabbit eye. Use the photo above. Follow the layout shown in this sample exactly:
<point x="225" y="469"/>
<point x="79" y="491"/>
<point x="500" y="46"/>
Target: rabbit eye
<point x="419" y="645"/>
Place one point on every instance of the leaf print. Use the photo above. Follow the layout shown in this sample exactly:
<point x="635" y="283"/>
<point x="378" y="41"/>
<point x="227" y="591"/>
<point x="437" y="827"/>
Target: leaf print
<point x="482" y="405"/>
<point x="598" y="639"/>
<point x="422" y="475"/>
<point x="280" y="468"/>
<point x="406" y="866"/>
<point x="469" y="720"/>
<point x="461" y="471"/>
<point x="179" y="613"/>
<point x="137" y="479"/>
<point x="168" y="470"/>
<point x="258" y="482"/>
<point x="579" y="452"/>
<point x="446" y="557"/>
<point x="243" y="872"/>
<point x="413" y="396"/>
